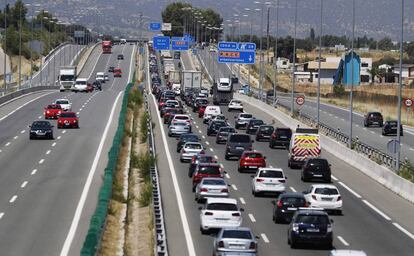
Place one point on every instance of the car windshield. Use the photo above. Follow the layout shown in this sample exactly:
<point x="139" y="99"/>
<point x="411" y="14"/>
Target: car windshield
<point x="206" y="159"/>
<point x="241" y="138"/>
<point x="239" y="234"/>
<point x="193" y="146"/>
<point x="293" y="201"/>
<point x="326" y="191"/>
<point x="67" y="78"/>
<point x="214" y="182"/>
<point x="318" y="163"/>
<point x="54" y="107"/>
<point x="271" y="174"/>
<point x="253" y="155"/>
<point x="67" y="114"/>
<point x="284" y="132"/>
<point x="236" y="102"/>
<point x="224" y="84"/>
<point x="312" y="219"/>
<point x="203" y="102"/>
<point x="392" y="123"/>
<point x="228" y="129"/>
<point x="62" y="102"/>
<point x="222" y="207"/>
<point x="266" y="128"/>
<point x="40" y="124"/>
<point x="189" y="137"/>
<point x="180" y="124"/>
<point x="256" y="122"/>
<point x="209" y="170"/>
<point x="218" y="124"/>
<point x="246" y="115"/>
<point x="81" y="82"/>
<point x="375" y="115"/>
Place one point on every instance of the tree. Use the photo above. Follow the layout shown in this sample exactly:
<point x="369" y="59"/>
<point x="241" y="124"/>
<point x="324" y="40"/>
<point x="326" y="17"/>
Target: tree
<point x="312" y="34"/>
<point x="385" y="44"/>
<point x="374" y="72"/>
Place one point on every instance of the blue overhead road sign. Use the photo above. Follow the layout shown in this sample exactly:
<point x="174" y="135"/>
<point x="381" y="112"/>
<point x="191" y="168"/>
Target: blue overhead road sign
<point x="234" y="52"/>
<point x="235" y="46"/>
<point x="155" y="26"/>
<point x="179" y="45"/>
<point x="161" y="42"/>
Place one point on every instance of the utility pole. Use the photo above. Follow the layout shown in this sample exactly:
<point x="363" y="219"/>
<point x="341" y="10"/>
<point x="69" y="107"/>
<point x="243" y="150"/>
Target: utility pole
<point x="319" y="66"/>
<point x="275" y="55"/>
<point x="267" y="32"/>
<point x="398" y="149"/>
<point x="20" y="47"/>
<point x="261" y="56"/>
<point x="352" y="76"/>
<point x="5" y="47"/>
<point x="292" y="105"/>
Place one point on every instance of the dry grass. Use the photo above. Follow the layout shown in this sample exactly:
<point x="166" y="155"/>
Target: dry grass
<point x="111" y="235"/>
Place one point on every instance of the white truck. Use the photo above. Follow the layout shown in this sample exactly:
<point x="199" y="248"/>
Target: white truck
<point x="304" y="144"/>
<point x="190" y="79"/>
<point x="175" y="81"/>
<point x="100" y="76"/>
<point x="67" y="77"/>
<point x="168" y="66"/>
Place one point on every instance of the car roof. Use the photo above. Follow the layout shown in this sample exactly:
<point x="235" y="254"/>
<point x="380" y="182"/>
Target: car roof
<point x="252" y="152"/>
<point x="81" y="79"/>
<point x="237" y="228"/>
<point x="61" y="100"/>
<point x="213" y="178"/>
<point x="212" y="200"/>
<point x="270" y="169"/>
<point x="324" y="186"/>
<point x="209" y="164"/>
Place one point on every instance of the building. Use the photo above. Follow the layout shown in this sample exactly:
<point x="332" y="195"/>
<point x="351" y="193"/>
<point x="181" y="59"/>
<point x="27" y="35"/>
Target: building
<point x="282" y="63"/>
<point x="328" y="70"/>
<point x="366" y="66"/>
<point x="407" y="71"/>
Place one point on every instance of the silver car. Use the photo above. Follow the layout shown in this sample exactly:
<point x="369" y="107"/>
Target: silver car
<point x="178" y="128"/>
<point x="191" y="149"/>
<point x="239" y="239"/>
<point x="242" y="120"/>
<point x="211" y="187"/>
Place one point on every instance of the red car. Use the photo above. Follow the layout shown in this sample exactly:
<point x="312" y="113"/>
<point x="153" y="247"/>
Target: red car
<point x="204" y="170"/>
<point x="251" y="161"/>
<point x="89" y="88"/>
<point x="68" y="120"/>
<point x="52" y="111"/>
<point x="117" y="72"/>
<point x="201" y="111"/>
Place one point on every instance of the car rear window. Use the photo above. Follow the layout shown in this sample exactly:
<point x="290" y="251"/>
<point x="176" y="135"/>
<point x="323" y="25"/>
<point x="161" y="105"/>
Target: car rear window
<point x="40" y="124"/>
<point x="393" y="124"/>
<point x="293" y="201"/>
<point x="241" y="138"/>
<point x="68" y="115"/>
<point x="182" y="117"/>
<point x="253" y="155"/>
<point x="227" y="129"/>
<point x="189" y="137"/>
<point x="256" y="122"/>
<point x="209" y="170"/>
<point x="314" y="219"/>
<point x="222" y="207"/>
<point x="375" y="115"/>
<point x="326" y="191"/>
<point x="214" y="182"/>
<point x="62" y="102"/>
<point x="240" y="234"/>
<point x="284" y="132"/>
<point x="193" y="146"/>
<point x="266" y="128"/>
<point x="271" y="174"/>
<point x="54" y="107"/>
<point x="320" y="163"/>
<point x="246" y="115"/>
<point x="206" y="159"/>
<point x="180" y="124"/>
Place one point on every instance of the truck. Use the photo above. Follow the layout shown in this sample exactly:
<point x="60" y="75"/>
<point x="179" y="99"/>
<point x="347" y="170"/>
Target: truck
<point x="304" y="144"/>
<point x="220" y="96"/>
<point x="106" y="47"/>
<point x="175" y="80"/>
<point x="190" y="79"/>
<point x="168" y="66"/>
<point x="67" y="77"/>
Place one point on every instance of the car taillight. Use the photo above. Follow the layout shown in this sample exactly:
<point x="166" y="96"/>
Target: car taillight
<point x="208" y="213"/>
<point x="74" y="121"/>
<point x="259" y="180"/>
<point x="305" y="204"/>
<point x="202" y="152"/>
<point x="314" y="197"/>
<point x="221" y="244"/>
<point x="59" y="112"/>
<point x="60" y="121"/>
<point x="339" y="198"/>
<point x="279" y="203"/>
<point x="48" y="112"/>
<point x="203" y="190"/>
<point x="236" y="214"/>
<point x="282" y="181"/>
<point x="224" y="190"/>
<point x="252" y="245"/>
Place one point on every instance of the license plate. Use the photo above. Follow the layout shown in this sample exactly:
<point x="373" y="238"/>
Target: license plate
<point x="283" y="137"/>
<point x="252" y="167"/>
<point x="292" y="209"/>
<point x="222" y="219"/>
<point x="270" y="184"/>
<point x="312" y="230"/>
<point x="214" y="190"/>
<point x="240" y="148"/>
<point x="235" y="246"/>
<point x="326" y="199"/>
<point x="67" y="123"/>
<point x="317" y="175"/>
<point x="375" y="122"/>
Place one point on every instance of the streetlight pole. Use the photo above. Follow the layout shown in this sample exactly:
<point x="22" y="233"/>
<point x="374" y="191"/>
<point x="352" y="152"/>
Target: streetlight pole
<point x="352" y="76"/>
<point x="5" y="47"/>
<point x="319" y="66"/>
<point x="398" y="155"/>
<point x="20" y="47"/>
<point x="292" y="106"/>
<point x="275" y="55"/>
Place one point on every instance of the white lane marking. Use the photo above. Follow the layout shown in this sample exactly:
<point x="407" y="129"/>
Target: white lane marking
<point x="33" y="172"/>
<point x="342" y="119"/>
<point x="195" y="123"/>
<point x="234" y="186"/>
<point x="15" y="137"/>
<point x="376" y="210"/>
<point x="48" y="152"/>
<point x="350" y="190"/>
<point x="330" y="114"/>
<point x="340" y="238"/>
<point x="221" y="166"/>
<point x="82" y="199"/>
<point x="227" y="176"/>
<point x="197" y="126"/>
<point x="40" y="117"/>
<point x="1" y="215"/>
<point x="412" y="149"/>
<point x="208" y="143"/>
<point x="336" y="117"/>
<point x="203" y="137"/>
<point x="13" y="199"/>
<point x="211" y="150"/>
<point x="403" y="230"/>
<point x="252" y="217"/>
<point x="200" y="131"/>
<point x="365" y="129"/>
<point x="270" y="166"/>
<point x="24" y="184"/>
<point x="64" y="131"/>
<point x="23" y="131"/>
<point x="293" y="189"/>
<point x="215" y="156"/>
<point x="372" y="132"/>
<point x="41" y="161"/>
<point x="77" y="113"/>
<point x="242" y="200"/>
<point x="59" y="137"/>
<point x="8" y="144"/>
<point x="264" y="237"/>
<point x="382" y="136"/>
<point x="357" y="125"/>
<point x="334" y="178"/>
<point x="54" y="144"/>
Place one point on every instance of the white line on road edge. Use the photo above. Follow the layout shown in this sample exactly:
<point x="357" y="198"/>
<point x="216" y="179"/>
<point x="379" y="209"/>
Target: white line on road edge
<point x="181" y="209"/>
<point x="242" y="200"/>
<point x="1" y="215"/>
<point x="403" y="230"/>
<point x="13" y="199"/>
<point x="252" y="217"/>
<point x="293" y="189"/>
<point x="264" y="237"/>
<point x="33" y="172"/>
<point x="82" y="200"/>
<point x="24" y="184"/>
<point x="334" y="178"/>
<point x="349" y="189"/>
<point x="376" y="210"/>
<point x="234" y="186"/>
<point x="41" y="161"/>
<point x="340" y="238"/>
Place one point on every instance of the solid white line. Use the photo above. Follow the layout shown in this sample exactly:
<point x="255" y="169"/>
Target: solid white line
<point x="293" y="189"/>
<point x="264" y="237"/>
<point x="227" y="176"/>
<point x="48" y="152"/>
<point x="54" y="144"/>
<point x="403" y="230"/>
<point x="23" y="131"/>
<point x="8" y="144"/>
<point x="242" y="200"/>
<point x="24" y="184"/>
<point x="349" y="189"/>
<point x="13" y="199"/>
<point x="82" y="200"/>
<point x="340" y="238"/>
<point x="1" y="215"/>
<point x="15" y="137"/>
<point x="41" y="161"/>
<point x="334" y="178"/>
<point x="33" y="172"/>
<point x="234" y="186"/>
<point x="252" y="217"/>
<point x="376" y="210"/>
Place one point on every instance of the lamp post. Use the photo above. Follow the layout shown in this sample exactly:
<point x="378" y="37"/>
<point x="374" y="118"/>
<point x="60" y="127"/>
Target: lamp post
<point x="261" y="54"/>
<point x="398" y="155"/>
<point x="250" y="40"/>
<point x="275" y="55"/>
<point x="352" y="76"/>
<point x="48" y="47"/>
<point x="292" y="106"/>
<point x="319" y="65"/>
<point x="20" y="47"/>
<point x="5" y="47"/>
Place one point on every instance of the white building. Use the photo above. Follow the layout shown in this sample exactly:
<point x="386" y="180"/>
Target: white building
<point x="366" y="66"/>
<point x="407" y="71"/>
<point x="328" y="70"/>
<point x="282" y="63"/>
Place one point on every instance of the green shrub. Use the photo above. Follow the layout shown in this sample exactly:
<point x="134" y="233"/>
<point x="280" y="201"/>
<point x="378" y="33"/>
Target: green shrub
<point x="339" y="89"/>
<point x="144" y="128"/>
<point x="407" y="170"/>
<point x="145" y="198"/>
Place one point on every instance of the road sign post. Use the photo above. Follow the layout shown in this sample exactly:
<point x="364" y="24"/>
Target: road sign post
<point x="234" y="52"/>
<point x="161" y="42"/>
<point x="300" y="100"/>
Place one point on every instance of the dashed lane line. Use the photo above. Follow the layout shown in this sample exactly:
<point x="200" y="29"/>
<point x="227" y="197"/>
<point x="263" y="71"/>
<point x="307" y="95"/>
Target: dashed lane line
<point x="48" y="152"/>
<point x="8" y="144"/>
<point x="1" y="215"/>
<point x="242" y="200"/>
<point x="59" y="137"/>
<point x="54" y="144"/>
<point x="264" y="237"/>
<point x="23" y="131"/>
<point x="64" y="131"/>
<point x="293" y="189"/>
<point x="15" y="137"/>
<point x="234" y="187"/>
<point x="403" y="230"/>
<point x="211" y="150"/>
<point x="376" y="210"/>
<point x="24" y="184"/>
<point x="227" y="176"/>
<point x="207" y="143"/>
<point x="340" y="238"/>
<point x="41" y="161"/>
<point x="33" y="172"/>
<point x="13" y="199"/>
<point x="252" y="217"/>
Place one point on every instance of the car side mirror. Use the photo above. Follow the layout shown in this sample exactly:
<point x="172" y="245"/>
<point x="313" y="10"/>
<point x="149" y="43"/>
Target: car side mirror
<point x="29" y="126"/>
<point x="264" y="157"/>
<point x="200" y="208"/>
<point x="286" y="177"/>
<point x="242" y="209"/>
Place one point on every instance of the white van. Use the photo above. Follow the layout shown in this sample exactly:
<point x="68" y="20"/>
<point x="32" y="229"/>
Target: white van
<point x="81" y="85"/>
<point x="176" y="88"/>
<point x="211" y="111"/>
<point x="224" y="85"/>
<point x="100" y="76"/>
<point x="122" y="41"/>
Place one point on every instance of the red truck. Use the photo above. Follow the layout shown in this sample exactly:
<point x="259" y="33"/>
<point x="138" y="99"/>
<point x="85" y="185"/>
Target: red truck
<point x="106" y="47"/>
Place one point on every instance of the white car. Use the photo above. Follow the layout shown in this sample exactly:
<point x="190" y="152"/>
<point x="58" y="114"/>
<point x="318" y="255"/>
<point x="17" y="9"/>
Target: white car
<point x="211" y="187"/>
<point x="224" y="85"/>
<point x="80" y="85"/>
<point x="175" y="102"/>
<point x="191" y="149"/>
<point x="209" y="112"/>
<point x="100" y="76"/>
<point x="324" y="196"/>
<point x="220" y="213"/>
<point x="268" y="180"/>
<point x="64" y="104"/>
<point x="182" y="118"/>
<point x="235" y="105"/>
<point x="212" y="49"/>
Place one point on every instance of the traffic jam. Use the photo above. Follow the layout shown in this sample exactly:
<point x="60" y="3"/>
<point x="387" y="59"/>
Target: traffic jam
<point x="306" y="213"/>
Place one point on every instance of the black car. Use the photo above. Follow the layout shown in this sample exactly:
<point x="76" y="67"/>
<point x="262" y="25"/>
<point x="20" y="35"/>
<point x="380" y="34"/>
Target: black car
<point x="373" y="118"/>
<point x="223" y="134"/>
<point x="264" y="132"/>
<point x="286" y="205"/>
<point x="310" y="227"/>
<point x="41" y="129"/>
<point x="281" y="138"/>
<point x="316" y="168"/>
<point x="177" y="55"/>
<point x="97" y="85"/>
<point x="234" y="79"/>
<point x="390" y="127"/>
<point x="253" y="125"/>
<point x="184" y="138"/>
<point x="214" y="126"/>
<point x="111" y="69"/>
<point x="120" y="56"/>
<point x="198" y="103"/>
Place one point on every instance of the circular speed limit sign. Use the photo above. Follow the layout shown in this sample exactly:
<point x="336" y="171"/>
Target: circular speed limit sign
<point x="300" y="100"/>
<point x="408" y="103"/>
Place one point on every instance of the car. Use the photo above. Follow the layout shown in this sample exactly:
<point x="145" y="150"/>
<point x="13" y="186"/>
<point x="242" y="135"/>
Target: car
<point x="219" y="213"/>
<point x="242" y="120"/>
<point x="41" y="129"/>
<point x="97" y="85"/>
<point x="251" y="161"/>
<point x="190" y="149"/>
<point x="209" y="112"/>
<point x="187" y="137"/>
<point x="204" y="170"/>
<point x="264" y="132"/>
<point x="286" y="205"/>
<point x="64" y="104"/>
<point x="280" y="138"/>
<point x="89" y="87"/>
<point x="181" y="118"/>
<point x="235" y="105"/>
<point x="224" y="85"/>
<point x="344" y="252"/>
<point x="325" y="196"/>
<point x="211" y="187"/>
<point x="212" y="49"/>
<point x="311" y="227"/>
<point x="111" y="69"/>
<point x="106" y="78"/>
<point x="223" y="133"/>
<point x="81" y="85"/>
<point x="373" y="118"/>
<point x="178" y="128"/>
<point x="214" y="126"/>
<point x="199" y="102"/>
<point x="217" y="118"/>
<point x="199" y="159"/>
<point x="390" y="127"/>
<point x="201" y="111"/>
<point x="169" y="115"/>
<point x="236" y="144"/>
<point x="68" y="120"/>
<point x="268" y="180"/>
<point x="120" y="57"/>
<point x="240" y="241"/>
<point x="117" y="72"/>
<point x="100" y="76"/>
<point x="234" y="79"/>
<point x="253" y="125"/>
<point x="173" y="103"/>
<point x="52" y="111"/>
<point x="316" y="169"/>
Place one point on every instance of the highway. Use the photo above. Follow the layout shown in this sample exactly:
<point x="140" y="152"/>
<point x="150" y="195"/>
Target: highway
<point x="374" y="219"/>
<point x="48" y="189"/>
<point x="333" y="116"/>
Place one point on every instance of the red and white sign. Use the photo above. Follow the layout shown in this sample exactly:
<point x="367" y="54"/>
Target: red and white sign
<point x="408" y="103"/>
<point x="300" y="100"/>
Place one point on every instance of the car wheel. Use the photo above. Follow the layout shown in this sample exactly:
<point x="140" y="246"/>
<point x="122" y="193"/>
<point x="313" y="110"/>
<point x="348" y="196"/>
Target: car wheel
<point x="194" y="188"/>
<point x="237" y="126"/>
<point x="270" y="145"/>
<point x="169" y="134"/>
<point x="226" y="157"/>
<point x="255" y="194"/>
<point x="289" y="163"/>
<point x="203" y="231"/>
<point x="229" y="110"/>
<point x="339" y="212"/>
<point x="239" y="169"/>
<point x="31" y="137"/>
<point x="181" y="160"/>
<point x="292" y="245"/>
